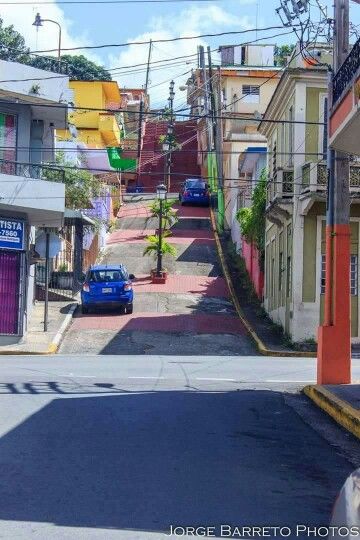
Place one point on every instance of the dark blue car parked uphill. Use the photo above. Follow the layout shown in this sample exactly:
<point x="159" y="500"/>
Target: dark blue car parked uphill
<point x="107" y="286"/>
<point x="195" y="191"/>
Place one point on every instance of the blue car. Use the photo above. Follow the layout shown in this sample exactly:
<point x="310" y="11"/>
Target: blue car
<point x="107" y="286"/>
<point x="195" y="191"/>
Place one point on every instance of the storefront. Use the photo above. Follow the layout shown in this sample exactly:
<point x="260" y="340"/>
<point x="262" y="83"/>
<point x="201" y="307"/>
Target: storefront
<point x="12" y="275"/>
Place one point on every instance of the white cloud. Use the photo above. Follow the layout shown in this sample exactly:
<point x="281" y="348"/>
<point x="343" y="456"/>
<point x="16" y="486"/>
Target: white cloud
<point x="192" y="21"/>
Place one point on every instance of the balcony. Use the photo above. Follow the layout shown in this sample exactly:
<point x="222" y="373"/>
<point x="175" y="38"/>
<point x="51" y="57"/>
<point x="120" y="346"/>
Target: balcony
<point x="345" y="114"/>
<point x="281" y="186"/>
<point x="109" y="128"/>
<point x="33" y="189"/>
<point x="314" y="178"/>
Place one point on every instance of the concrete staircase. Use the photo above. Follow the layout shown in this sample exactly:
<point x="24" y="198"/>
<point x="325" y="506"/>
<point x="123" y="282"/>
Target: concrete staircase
<point x="152" y="162"/>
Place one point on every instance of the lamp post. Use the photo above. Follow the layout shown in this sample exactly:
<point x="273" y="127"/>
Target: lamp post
<point x="170" y="133"/>
<point x="39" y="22"/>
<point x="161" y="192"/>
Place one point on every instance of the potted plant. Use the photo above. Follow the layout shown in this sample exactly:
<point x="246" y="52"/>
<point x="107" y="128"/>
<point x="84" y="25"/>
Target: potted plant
<point x="154" y="248"/>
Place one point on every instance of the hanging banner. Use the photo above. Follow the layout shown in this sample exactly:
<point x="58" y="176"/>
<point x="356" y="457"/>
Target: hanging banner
<point x="12" y="234"/>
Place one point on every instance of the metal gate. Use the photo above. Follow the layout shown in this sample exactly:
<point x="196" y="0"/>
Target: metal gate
<point x="10" y="292"/>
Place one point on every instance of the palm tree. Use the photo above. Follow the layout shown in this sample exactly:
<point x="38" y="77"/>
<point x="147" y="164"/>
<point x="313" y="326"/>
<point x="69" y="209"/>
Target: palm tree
<point x="169" y="215"/>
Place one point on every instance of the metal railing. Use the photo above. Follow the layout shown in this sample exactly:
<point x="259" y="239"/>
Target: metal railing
<point x="281" y="185"/>
<point x="32" y="170"/>
<point x="345" y="76"/>
<point x="314" y="177"/>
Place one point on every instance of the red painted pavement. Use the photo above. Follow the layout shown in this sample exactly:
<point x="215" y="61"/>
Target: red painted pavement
<point x="187" y="236"/>
<point x="161" y="322"/>
<point x="179" y="284"/>
<point x="143" y="210"/>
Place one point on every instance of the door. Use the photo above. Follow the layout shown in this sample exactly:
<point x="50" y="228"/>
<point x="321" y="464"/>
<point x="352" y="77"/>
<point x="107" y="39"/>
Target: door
<point x="9" y="292"/>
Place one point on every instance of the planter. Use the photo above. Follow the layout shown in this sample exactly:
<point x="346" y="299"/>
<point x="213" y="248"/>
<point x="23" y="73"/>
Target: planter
<point x="62" y="280"/>
<point x="161" y="279"/>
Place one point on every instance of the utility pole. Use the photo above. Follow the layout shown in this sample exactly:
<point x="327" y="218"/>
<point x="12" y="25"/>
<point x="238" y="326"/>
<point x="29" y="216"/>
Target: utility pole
<point x="334" y="337"/>
<point x="141" y="116"/>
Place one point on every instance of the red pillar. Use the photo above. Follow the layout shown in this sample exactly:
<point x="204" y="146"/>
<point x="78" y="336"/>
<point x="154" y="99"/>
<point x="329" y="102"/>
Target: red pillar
<point x="334" y="337"/>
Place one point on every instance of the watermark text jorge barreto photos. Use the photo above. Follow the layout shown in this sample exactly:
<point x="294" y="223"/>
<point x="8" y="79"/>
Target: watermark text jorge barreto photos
<point x="252" y="532"/>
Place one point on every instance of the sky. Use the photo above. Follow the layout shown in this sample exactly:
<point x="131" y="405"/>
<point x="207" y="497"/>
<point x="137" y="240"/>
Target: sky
<point x="103" y="24"/>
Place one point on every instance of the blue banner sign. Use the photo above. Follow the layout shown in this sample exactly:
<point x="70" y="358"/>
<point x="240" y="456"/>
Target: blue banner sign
<point x="12" y="234"/>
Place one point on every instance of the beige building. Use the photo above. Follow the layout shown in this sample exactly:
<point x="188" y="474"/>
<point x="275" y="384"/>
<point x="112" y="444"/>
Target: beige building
<point x="296" y="203"/>
<point x="247" y="88"/>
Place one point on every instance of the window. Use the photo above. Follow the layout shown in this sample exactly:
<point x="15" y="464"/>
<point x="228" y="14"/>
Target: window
<point x="353" y="275"/>
<point x="323" y="274"/>
<point x="281" y="270"/>
<point x="251" y="93"/>
<point x="291" y="135"/>
<point x="354" y="272"/>
<point x="324" y="128"/>
<point x="289" y="262"/>
<point x="7" y="143"/>
<point x="103" y="276"/>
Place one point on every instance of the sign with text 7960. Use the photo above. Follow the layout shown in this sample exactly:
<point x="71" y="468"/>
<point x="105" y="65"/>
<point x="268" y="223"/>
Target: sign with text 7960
<point x="12" y="234"/>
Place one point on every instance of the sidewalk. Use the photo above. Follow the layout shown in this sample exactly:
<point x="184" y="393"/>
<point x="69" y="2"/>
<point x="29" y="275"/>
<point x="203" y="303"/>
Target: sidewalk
<point x="36" y="341"/>
<point x="341" y="402"/>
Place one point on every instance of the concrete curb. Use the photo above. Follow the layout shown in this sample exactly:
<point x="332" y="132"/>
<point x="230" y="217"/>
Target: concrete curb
<point x="343" y="413"/>
<point x="258" y="341"/>
<point x="54" y="345"/>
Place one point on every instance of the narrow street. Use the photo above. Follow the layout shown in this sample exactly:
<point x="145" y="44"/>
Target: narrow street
<point x="123" y="447"/>
<point x="190" y="314"/>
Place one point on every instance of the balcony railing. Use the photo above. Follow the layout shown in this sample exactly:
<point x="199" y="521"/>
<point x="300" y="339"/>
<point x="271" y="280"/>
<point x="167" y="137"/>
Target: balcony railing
<point x="33" y="171"/>
<point x="314" y="177"/>
<point x="281" y="186"/>
<point x="347" y="72"/>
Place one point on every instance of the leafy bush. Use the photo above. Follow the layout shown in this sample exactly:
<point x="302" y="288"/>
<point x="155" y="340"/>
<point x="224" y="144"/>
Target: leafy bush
<point x="252" y="220"/>
<point x="154" y="243"/>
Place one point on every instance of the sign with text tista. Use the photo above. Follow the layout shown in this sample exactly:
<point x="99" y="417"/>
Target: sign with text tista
<point x="12" y="234"/>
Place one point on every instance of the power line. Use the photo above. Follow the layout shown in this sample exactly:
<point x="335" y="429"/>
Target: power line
<point x="150" y="113"/>
<point x="99" y="2"/>
<point x="164" y="40"/>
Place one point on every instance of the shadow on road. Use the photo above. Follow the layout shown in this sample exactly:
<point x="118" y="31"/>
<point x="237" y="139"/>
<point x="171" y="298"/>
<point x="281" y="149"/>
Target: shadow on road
<point x="145" y="461"/>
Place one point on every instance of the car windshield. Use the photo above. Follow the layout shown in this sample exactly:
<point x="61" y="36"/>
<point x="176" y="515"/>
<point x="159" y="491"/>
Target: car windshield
<point x="102" y="276"/>
<point x="196" y="184"/>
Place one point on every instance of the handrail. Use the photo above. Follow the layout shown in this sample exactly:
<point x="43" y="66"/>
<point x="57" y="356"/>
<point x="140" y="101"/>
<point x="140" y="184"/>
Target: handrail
<point x="346" y="73"/>
<point x="37" y="171"/>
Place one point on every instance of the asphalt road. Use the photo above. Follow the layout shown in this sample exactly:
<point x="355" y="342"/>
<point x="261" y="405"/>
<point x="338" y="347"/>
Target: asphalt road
<point x="192" y="314"/>
<point x="124" y="447"/>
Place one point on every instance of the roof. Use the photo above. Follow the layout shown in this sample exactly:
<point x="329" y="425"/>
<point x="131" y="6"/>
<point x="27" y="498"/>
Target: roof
<point x="294" y="73"/>
<point x="111" y="88"/>
<point x="77" y="214"/>
<point x="107" y="266"/>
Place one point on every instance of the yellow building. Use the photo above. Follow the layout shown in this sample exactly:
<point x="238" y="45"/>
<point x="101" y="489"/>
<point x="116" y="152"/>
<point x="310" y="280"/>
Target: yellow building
<point x="95" y="128"/>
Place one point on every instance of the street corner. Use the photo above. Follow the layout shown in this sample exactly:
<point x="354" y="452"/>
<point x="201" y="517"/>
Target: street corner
<point x="341" y="402"/>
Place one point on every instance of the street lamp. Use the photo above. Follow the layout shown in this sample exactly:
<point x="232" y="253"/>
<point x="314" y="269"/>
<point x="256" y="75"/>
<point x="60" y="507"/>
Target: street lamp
<point x="39" y="22"/>
<point x="161" y="192"/>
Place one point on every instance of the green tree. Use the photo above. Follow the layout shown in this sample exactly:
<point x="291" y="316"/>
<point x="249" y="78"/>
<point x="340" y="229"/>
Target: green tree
<point x="80" y="185"/>
<point x="13" y="48"/>
<point x="12" y="45"/>
<point x="282" y="52"/>
<point x="79" y="68"/>
<point x="252" y="220"/>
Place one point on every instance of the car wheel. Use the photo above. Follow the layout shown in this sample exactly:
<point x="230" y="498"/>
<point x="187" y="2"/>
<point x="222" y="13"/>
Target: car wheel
<point x="84" y="309"/>
<point x="129" y="309"/>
